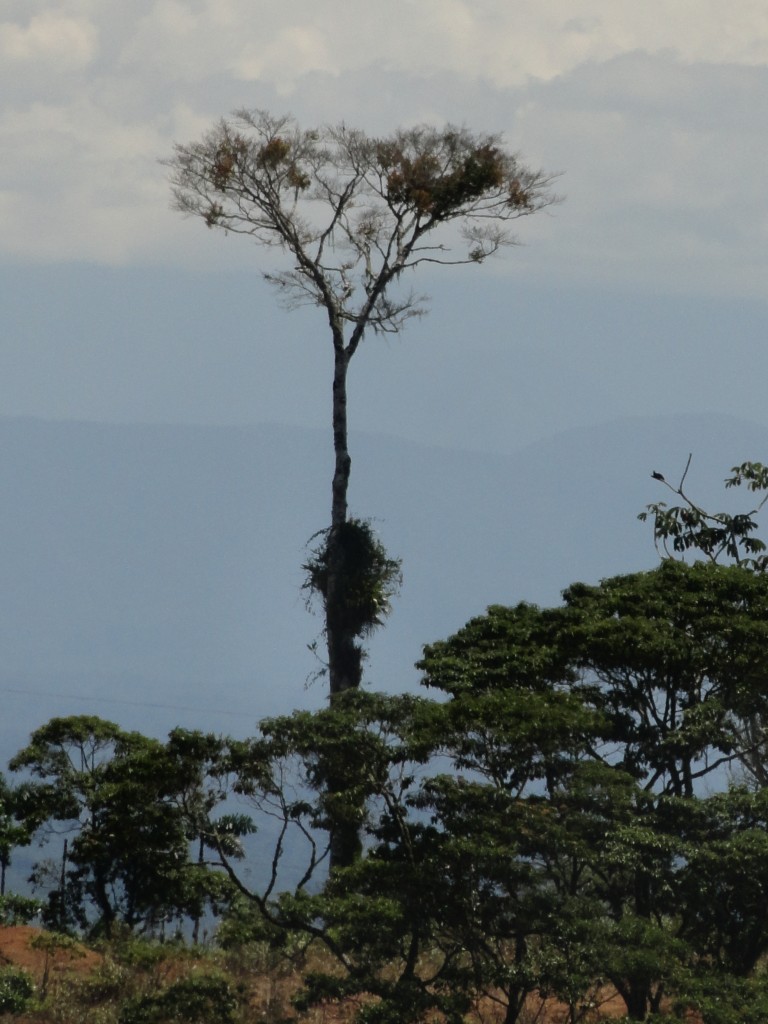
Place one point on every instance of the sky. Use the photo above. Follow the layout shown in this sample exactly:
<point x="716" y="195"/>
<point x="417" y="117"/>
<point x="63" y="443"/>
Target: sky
<point x="641" y="293"/>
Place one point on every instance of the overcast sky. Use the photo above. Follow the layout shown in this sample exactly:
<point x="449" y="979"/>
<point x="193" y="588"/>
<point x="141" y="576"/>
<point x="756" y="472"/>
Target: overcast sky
<point x="642" y="293"/>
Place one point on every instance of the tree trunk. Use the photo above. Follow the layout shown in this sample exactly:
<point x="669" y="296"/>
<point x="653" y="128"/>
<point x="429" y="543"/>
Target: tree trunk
<point x="636" y="999"/>
<point x="345" y="664"/>
<point x="197" y="913"/>
<point x="344" y="652"/>
<point x="637" y="993"/>
<point x="517" y="994"/>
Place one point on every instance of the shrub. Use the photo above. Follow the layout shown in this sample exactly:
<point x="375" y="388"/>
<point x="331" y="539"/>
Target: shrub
<point x="194" y="1000"/>
<point x="15" y="909"/>
<point x="16" y="990"/>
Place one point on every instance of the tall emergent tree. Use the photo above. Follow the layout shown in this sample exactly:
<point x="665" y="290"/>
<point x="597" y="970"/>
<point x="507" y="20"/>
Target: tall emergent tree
<point x="349" y="214"/>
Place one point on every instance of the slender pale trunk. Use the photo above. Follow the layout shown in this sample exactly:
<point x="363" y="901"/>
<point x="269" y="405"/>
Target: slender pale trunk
<point x="343" y="462"/>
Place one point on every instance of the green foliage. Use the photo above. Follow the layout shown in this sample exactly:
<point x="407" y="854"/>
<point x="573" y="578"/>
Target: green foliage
<point x="716" y="535"/>
<point x="198" y="998"/>
<point x="16" y="909"/>
<point x="720" y="998"/>
<point x="52" y="944"/>
<point x="16" y="990"/>
<point x="243" y="924"/>
<point x="132" y="806"/>
<point x="668" y="660"/>
<point x="13" y="832"/>
<point x="504" y="649"/>
<point x="446" y="891"/>
<point x="552" y="825"/>
<point x="722" y="884"/>
<point x="671" y="657"/>
<point x="630" y="876"/>
<point x="109" y="982"/>
<point x="720" y="537"/>
<point x="540" y="830"/>
<point x="368" y="578"/>
<point x="70" y="756"/>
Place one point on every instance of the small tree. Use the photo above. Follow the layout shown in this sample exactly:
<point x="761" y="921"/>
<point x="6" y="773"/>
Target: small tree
<point x="718" y="536"/>
<point x="351" y="214"/>
<point x="13" y="833"/>
<point x="131" y="806"/>
<point x="687" y="528"/>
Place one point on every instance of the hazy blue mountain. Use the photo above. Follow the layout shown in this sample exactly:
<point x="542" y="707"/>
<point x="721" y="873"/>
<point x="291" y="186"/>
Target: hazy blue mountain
<point x="151" y="574"/>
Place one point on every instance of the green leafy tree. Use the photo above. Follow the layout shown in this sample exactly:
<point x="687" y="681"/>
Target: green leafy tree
<point x="192" y="781"/>
<point x="130" y="807"/>
<point x="67" y="758"/>
<point x="376" y="917"/>
<point x="726" y="538"/>
<point x="13" y="832"/>
<point x="541" y="828"/>
<point x="669" y="661"/>
<point x="717" y="997"/>
<point x="445" y="902"/>
<point x="16" y="909"/>
<point x="674" y="658"/>
<point x="723" y="879"/>
<point x="717" y="536"/>
<point x="518" y="737"/>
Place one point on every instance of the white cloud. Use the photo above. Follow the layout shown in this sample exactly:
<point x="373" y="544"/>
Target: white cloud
<point x="78" y="185"/>
<point x="493" y="39"/>
<point x="505" y="43"/>
<point x="292" y="53"/>
<point x="69" y="42"/>
<point x="652" y="111"/>
<point x="664" y="174"/>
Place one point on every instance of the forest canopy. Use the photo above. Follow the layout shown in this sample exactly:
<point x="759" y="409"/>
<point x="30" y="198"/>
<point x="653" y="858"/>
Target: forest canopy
<point x="572" y="802"/>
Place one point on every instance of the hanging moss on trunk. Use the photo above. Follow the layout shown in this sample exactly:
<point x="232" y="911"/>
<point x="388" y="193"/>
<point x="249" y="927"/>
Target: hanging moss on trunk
<point x="350" y="571"/>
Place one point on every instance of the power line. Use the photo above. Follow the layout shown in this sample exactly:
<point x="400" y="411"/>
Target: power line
<point x="121" y="700"/>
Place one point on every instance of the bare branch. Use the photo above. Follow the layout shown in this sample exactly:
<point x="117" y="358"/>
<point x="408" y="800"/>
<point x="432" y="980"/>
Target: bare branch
<point x="352" y="212"/>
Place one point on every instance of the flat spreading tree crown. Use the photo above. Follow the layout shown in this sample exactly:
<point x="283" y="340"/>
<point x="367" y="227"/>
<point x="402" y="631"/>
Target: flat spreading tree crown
<point x="352" y="211"/>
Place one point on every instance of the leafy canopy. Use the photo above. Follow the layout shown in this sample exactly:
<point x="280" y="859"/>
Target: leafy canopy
<point x="687" y="526"/>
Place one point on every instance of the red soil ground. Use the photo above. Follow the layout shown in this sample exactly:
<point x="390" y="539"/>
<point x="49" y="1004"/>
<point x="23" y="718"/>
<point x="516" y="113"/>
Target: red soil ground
<point x="17" y="947"/>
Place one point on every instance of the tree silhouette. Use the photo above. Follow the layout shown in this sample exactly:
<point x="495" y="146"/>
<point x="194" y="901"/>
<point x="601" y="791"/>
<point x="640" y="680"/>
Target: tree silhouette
<point x="349" y="214"/>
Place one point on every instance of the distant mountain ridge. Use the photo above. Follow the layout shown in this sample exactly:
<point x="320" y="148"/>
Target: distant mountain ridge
<point x="151" y="574"/>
